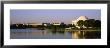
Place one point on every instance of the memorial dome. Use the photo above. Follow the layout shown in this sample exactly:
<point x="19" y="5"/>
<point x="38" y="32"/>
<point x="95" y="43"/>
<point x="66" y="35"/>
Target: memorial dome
<point x="82" y="18"/>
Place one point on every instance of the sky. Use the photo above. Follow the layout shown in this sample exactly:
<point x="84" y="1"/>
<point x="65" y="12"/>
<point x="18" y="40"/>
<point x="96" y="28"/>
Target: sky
<point x="51" y="15"/>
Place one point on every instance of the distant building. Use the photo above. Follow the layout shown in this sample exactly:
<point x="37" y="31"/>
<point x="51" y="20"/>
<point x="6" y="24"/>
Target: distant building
<point x="46" y="24"/>
<point x="56" y="23"/>
<point x="35" y="24"/>
<point x="80" y="18"/>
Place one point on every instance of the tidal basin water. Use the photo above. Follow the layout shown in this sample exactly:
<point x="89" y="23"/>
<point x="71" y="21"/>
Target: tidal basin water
<point x="49" y="34"/>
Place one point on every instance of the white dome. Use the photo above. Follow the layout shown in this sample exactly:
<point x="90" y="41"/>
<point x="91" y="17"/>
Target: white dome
<point x="82" y="18"/>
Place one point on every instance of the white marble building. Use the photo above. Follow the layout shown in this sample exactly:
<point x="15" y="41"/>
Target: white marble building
<point x="80" y="18"/>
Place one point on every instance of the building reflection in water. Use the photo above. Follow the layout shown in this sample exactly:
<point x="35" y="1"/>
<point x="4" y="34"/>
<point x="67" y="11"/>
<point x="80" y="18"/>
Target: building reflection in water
<point x="38" y="32"/>
<point x="57" y="31"/>
<point x="54" y="34"/>
<point x="78" y="35"/>
<point x="44" y="32"/>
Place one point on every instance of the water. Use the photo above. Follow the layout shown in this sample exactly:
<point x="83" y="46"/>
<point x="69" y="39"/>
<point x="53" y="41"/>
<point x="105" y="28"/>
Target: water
<point x="50" y="34"/>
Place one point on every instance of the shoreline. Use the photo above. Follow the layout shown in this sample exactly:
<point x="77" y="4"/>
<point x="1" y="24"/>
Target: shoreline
<point x="68" y="29"/>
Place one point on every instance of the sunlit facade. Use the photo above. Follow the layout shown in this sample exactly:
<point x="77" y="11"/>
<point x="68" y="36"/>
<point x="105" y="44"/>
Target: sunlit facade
<point x="80" y="18"/>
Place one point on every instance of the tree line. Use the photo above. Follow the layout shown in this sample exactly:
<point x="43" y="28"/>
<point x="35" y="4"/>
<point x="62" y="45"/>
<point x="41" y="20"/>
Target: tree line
<point x="89" y="23"/>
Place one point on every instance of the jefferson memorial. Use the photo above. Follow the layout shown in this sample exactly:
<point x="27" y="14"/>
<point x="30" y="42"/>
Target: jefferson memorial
<point x="80" y="18"/>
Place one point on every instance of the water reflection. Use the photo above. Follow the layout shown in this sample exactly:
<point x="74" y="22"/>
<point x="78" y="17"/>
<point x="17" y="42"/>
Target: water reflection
<point x="53" y="34"/>
<point x="78" y="34"/>
<point x="55" y="31"/>
<point x="86" y="34"/>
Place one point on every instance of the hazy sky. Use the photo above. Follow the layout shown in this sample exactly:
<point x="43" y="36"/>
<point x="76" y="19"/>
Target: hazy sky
<point x="51" y="15"/>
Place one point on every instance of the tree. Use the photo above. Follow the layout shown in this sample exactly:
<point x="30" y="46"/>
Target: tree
<point x="73" y="25"/>
<point x="86" y="23"/>
<point x="62" y="25"/>
<point x="97" y="23"/>
<point x="91" y="22"/>
<point x="80" y="23"/>
<point x="69" y="25"/>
